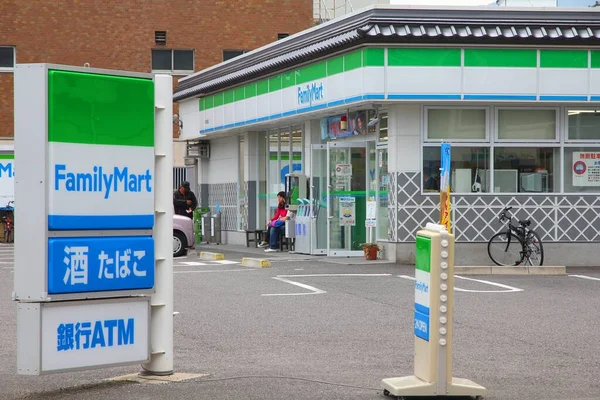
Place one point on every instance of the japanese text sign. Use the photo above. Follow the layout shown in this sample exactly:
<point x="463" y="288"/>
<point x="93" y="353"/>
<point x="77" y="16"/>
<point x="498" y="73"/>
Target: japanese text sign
<point x="586" y="168"/>
<point x="87" y="264"/>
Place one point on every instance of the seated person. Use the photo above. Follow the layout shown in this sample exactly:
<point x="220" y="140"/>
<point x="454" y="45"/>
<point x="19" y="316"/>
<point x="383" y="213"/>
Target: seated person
<point x="276" y="224"/>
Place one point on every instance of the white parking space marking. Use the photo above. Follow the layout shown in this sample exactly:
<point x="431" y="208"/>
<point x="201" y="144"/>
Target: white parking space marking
<point x="585" y="277"/>
<point x="226" y="262"/>
<point x="190" y="263"/>
<point x="510" y="289"/>
<point x="213" y="270"/>
<point x="313" y="290"/>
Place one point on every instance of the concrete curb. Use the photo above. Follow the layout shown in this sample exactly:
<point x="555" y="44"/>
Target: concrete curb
<point x="205" y="255"/>
<point x="256" y="262"/>
<point x="519" y="270"/>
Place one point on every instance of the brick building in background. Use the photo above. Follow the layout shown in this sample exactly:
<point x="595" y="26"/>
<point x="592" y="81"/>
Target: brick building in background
<point x="175" y="36"/>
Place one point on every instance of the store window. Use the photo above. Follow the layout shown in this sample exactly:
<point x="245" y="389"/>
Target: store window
<point x="526" y="169"/>
<point x="582" y="169"/>
<point x="172" y="61"/>
<point x="382" y="191"/>
<point x="526" y="124"/>
<point x="584" y="125"/>
<point x="285" y="149"/>
<point x="383" y="128"/>
<point x="242" y="210"/>
<point x="7" y="58"/>
<point x="456" y="124"/>
<point x="469" y="169"/>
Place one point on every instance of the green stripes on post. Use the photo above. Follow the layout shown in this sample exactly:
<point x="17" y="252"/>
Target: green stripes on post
<point x="423" y="254"/>
<point x="563" y="58"/>
<point x="100" y="109"/>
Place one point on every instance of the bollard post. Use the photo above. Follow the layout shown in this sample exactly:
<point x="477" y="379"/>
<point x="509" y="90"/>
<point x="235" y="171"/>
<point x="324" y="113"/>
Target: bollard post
<point x="433" y="315"/>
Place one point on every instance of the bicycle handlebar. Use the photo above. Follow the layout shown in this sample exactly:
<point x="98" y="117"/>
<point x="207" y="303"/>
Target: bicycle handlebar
<point x="503" y="216"/>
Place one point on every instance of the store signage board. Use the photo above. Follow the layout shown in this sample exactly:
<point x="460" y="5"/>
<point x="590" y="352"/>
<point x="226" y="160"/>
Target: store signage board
<point x="7" y="179"/>
<point x="92" y="206"/>
<point x="422" y="287"/>
<point x="74" y="335"/>
<point x="586" y="168"/>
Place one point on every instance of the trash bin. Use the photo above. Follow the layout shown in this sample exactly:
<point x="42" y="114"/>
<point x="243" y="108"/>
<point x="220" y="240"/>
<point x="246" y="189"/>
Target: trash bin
<point x="198" y="213"/>
<point x="211" y="228"/>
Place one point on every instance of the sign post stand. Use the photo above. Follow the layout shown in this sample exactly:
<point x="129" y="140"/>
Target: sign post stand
<point x="93" y="263"/>
<point x="161" y="321"/>
<point x="433" y="314"/>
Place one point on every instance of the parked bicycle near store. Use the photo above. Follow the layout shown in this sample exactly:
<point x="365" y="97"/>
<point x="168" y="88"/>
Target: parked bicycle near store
<point x="8" y="223"/>
<point x="515" y="245"/>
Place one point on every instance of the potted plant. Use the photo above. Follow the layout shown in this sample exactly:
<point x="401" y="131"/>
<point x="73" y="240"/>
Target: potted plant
<point x="370" y="250"/>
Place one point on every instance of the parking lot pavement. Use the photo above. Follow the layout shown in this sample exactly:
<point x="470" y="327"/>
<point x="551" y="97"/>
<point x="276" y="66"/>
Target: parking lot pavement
<point x="312" y="329"/>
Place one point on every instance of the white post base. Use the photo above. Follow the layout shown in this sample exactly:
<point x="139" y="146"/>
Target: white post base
<point x="413" y="386"/>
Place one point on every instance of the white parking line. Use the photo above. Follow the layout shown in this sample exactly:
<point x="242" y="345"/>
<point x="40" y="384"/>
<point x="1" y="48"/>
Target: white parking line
<point x="190" y="264"/>
<point x="510" y="288"/>
<point x="313" y="290"/>
<point x="226" y="262"/>
<point x="214" y="270"/>
<point x="585" y="277"/>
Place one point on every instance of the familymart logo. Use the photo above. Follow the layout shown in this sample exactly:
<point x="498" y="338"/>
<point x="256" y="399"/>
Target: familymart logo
<point x="310" y="93"/>
<point x="107" y="181"/>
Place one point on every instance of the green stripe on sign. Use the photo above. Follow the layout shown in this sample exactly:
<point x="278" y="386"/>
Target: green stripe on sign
<point x="288" y="79"/>
<point x="335" y="65"/>
<point x="262" y="87"/>
<point x="374" y="57"/>
<point x="595" y="59"/>
<point x="563" y="58"/>
<point x="424" y="57"/>
<point x="228" y="96"/>
<point x="423" y="254"/>
<point x="353" y="60"/>
<point x="7" y="156"/>
<point x="251" y="90"/>
<point x="311" y="73"/>
<point x="100" y="109"/>
<point x="275" y="83"/>
<point x="239" y="94"/>
<point x="500" y="58"/>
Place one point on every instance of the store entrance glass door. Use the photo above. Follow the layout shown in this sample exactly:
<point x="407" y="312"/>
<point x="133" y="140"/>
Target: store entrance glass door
<point x="346" y="198"/>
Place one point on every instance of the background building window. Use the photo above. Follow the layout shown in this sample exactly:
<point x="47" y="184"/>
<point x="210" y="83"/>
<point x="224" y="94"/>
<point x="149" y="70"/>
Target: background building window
<point x="282" y="35"/>
<point x="582" y="169"/>
<point x="526" y="169"/>
<point x="456" y="124"/>
<point x="526" y="124"/>
<point x="172" y="60"/>
<point x="469" y="167"/>
<point x="584" y="125"/>
<point x="7" y="58"/>
<point x="229" y="54"/>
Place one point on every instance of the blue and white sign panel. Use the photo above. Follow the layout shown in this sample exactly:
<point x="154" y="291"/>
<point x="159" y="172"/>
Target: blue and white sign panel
<point x="92" y="264"/>
<point x="83" y="334"/>
<point x="422" y="304"/>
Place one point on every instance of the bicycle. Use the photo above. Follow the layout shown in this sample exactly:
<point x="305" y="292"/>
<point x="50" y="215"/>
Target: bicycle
<point x="517" y="244"/>
<point x="8" y="223"/>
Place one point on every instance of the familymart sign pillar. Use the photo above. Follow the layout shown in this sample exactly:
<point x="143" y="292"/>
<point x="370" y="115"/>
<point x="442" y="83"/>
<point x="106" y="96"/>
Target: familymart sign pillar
<point x="93" y="263"/>
<point x="433" y="314"/>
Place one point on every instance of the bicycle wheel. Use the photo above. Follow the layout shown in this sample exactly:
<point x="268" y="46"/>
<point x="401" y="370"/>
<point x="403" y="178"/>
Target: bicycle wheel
<point x="505" y="250"/>
<point x="535" y="252"/>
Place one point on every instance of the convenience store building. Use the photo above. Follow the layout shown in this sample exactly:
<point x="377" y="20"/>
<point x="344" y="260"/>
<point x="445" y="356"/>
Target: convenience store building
<point x="361" y="104"/>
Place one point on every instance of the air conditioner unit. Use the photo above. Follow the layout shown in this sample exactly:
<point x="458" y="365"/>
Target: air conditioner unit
<point x="198" y="150"/>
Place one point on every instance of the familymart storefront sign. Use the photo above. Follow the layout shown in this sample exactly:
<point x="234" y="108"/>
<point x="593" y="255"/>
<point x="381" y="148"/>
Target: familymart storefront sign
<point x="85" y="144"/>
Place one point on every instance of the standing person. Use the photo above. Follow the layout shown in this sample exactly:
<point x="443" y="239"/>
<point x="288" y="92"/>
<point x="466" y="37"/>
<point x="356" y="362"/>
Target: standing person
<point x="276" y="224"/>
<point x="184" y="200"/>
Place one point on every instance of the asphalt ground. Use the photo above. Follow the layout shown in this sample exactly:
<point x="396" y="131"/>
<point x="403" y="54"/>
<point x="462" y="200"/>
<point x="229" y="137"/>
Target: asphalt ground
<point x="316" y="328"/>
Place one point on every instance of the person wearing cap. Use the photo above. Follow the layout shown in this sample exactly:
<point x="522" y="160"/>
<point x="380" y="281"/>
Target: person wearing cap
<point x="184" y="200"/>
